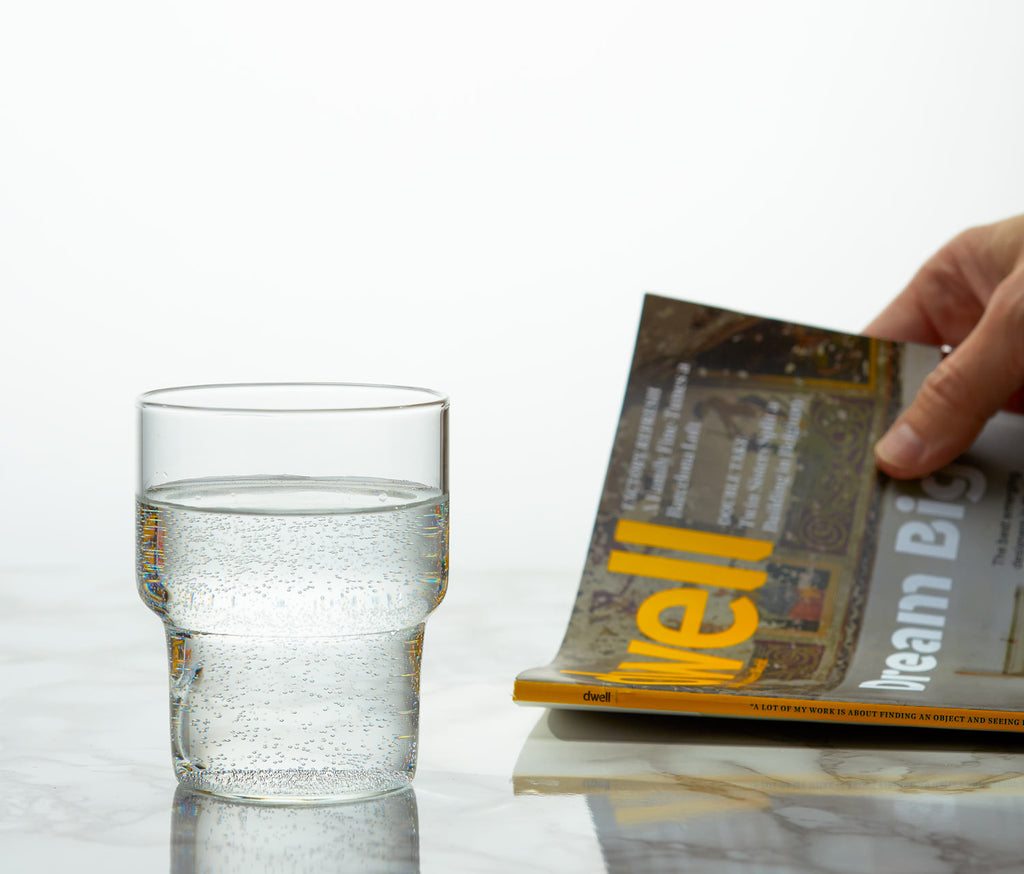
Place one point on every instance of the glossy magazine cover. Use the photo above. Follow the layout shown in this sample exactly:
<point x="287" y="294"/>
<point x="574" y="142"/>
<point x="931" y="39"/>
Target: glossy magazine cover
<point x="748" y="559"/>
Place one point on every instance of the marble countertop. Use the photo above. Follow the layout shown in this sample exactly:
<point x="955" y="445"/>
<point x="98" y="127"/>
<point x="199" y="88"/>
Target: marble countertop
<point x="87" y="782"/>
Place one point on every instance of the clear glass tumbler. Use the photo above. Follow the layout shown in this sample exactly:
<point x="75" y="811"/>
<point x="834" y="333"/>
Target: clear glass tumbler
<point x="294" y="539"/>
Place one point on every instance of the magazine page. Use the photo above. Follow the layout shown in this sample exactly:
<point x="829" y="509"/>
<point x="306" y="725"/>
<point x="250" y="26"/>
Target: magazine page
<point x="748" y="559"/>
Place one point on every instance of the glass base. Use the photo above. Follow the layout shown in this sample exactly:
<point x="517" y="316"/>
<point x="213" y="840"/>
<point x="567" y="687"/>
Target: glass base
<point x="294" y="719"/>
<point x="290" y="786"/>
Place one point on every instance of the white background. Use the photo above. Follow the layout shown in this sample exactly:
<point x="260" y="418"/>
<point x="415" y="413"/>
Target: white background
<point x="471" y="196"/>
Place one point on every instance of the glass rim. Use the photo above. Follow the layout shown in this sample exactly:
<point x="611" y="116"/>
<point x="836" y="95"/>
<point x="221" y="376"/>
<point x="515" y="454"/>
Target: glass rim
<point x="163" y="398"/>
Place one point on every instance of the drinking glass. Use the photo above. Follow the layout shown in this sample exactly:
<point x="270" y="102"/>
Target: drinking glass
<point x="294" y="539"/>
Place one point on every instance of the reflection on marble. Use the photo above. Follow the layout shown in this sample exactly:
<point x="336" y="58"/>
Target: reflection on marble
<point x="673" y="793"/>
<point x="211" y="835"/>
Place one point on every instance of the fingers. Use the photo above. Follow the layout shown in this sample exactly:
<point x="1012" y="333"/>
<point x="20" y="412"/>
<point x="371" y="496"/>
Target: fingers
<point x="969" y="295"/>
<point x="944" y="300"/>
<point x="963" y="392"/>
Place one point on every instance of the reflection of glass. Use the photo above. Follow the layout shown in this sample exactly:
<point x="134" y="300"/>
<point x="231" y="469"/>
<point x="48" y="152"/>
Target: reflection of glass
<point x="215" y="835"/>
<point x="670" y="794"/>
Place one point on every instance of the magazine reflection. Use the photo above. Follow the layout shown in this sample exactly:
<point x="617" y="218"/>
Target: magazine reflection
<point x="672" y="793"/>
<point x="223" y="836"/>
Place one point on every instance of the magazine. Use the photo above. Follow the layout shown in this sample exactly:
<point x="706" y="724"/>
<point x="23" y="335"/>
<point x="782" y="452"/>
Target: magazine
<point x="749" y="560"/>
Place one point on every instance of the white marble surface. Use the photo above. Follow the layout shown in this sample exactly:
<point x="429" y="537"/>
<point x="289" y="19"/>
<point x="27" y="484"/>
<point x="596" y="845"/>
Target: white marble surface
<point x="87" y="784"/>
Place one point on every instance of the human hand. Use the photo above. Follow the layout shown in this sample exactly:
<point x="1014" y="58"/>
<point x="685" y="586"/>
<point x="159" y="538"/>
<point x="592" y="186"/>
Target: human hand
<point x="970" y="296"/>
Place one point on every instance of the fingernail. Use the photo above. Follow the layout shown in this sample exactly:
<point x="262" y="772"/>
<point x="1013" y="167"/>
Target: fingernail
<point x="901" y="447"/>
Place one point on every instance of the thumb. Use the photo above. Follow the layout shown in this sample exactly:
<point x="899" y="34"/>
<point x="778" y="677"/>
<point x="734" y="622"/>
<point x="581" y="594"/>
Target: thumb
<point x="966" y="389"/>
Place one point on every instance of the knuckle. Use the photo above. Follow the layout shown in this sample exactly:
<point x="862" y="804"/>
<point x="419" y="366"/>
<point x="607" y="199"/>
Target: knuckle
<point x="946" y="389"/>
<point x="1007" y="308"/>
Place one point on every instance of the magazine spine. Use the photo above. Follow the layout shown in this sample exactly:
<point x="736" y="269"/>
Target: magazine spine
<point x="593" y="697"/>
